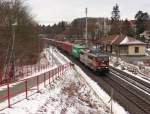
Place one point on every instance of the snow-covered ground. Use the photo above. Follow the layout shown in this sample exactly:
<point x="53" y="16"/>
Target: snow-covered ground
<point x="148" y="49"/>
<point x="72" y="93"/>
<point x="143" y="71"/>
<point x="68" y="96"/>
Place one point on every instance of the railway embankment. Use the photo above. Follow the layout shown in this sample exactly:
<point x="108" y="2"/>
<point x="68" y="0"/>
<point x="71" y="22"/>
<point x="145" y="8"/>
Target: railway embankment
<point x="114" y="107"/>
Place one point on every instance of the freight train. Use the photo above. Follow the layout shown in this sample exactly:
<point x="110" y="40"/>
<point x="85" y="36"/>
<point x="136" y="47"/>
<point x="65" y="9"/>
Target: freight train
<point x="93" y="59"/>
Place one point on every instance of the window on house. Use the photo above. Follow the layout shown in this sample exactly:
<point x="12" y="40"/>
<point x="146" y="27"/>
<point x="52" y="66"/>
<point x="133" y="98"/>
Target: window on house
<point x="136" y="49"/>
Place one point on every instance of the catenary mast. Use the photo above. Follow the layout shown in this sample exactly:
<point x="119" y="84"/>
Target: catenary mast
<point x="86" y="35"/>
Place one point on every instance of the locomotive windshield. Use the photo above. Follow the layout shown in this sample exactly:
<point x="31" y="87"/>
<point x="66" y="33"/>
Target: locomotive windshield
<point x="103" y="58"/>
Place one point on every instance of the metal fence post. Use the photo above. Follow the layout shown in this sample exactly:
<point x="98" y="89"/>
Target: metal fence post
<point x="27" y="71"/>
<point x="0" y="80"/>
<point x="54" y="74"/>
<point x="35" y="69"/>
<point x="57" y="72"/>
<point x="111" y="101"/>
<point x="26" y="89"/>
<point x="38" y="68"/>
<point x="22" y="71"/>
<point x="37" y="83"/>
<point x="60" y="70"/>
<point x="64" y="68"/>
<point x="44" y="80"/>
<point x="31" y="69"/>
<point x="49" y="77"/>
<point x="8" y="95"/>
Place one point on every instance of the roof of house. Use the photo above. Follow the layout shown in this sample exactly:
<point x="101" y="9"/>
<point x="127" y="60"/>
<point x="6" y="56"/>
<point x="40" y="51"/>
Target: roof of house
<point x="120" y="40"/>
<point x="130" y="41"/>
<point x="107" y="40"/>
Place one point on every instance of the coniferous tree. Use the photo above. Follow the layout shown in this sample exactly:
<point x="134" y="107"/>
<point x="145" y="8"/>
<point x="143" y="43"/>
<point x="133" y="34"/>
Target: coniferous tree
<point x="115" y="20"/>
<point x="115" y="13"/>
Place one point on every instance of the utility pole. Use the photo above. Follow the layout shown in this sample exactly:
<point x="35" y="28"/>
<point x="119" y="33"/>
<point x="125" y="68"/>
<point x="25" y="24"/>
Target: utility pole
<point x="105" y="28"/>
<point x="86" y="35"/>
<point x="111" y="101"/>
<point x="112" y="92"/>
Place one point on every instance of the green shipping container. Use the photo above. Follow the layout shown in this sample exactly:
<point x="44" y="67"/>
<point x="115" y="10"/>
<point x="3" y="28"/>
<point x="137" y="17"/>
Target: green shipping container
<point x="76" y="50"/>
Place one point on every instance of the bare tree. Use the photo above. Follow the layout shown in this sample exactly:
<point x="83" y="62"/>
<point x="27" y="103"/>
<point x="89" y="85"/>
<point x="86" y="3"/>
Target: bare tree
<point x="26" y="43"/>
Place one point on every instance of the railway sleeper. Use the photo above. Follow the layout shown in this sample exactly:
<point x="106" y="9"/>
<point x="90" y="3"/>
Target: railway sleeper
<point x="129" y="95"/>
<point x="132" y="77"/>
<point x="133" y="89"/>
<point x="135" y="82"/>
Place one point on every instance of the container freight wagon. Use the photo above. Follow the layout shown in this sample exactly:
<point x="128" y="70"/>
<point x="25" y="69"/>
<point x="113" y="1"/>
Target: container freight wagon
<point x="67" y="47"/>
<point x="91" y="58"/>
<point x="76" y="49"/>
<point x="59" y="44"/>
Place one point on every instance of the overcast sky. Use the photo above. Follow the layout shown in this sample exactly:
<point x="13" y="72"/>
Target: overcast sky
<point x="53" y="11"/>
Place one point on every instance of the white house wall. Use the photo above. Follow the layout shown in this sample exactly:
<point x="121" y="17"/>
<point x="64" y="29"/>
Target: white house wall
<point x="131" y="50"/>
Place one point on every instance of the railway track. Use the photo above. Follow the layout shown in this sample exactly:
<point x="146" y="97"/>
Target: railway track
<point x="130" y="92"/>
<point x="144" y="82"/>
<point x="135" y="92"/>
<point x="139" y="88"/>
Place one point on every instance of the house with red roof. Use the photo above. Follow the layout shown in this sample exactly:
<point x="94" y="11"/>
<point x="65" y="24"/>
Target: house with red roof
<point x="123" y="45"/>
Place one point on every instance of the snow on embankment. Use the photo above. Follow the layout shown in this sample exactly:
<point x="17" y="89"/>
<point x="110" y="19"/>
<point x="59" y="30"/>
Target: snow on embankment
<point x="116" y="108"/>
<point x="66" y="95"/>
<point x="73" y="97"/>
